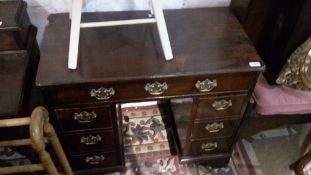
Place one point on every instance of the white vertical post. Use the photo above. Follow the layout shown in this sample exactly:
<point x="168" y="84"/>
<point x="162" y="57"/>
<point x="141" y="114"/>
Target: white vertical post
<point x="151" y="9"/>
<point x="74" y="33"/>
<point x="70" y="9"/>
<point x="165" y="41"/>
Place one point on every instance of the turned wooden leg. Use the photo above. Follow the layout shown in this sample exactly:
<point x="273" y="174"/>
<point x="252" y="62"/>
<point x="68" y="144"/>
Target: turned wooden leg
<point x="40" y="126"/>
<point x="53" y="139"/>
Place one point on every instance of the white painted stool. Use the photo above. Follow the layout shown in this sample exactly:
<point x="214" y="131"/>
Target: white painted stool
<point x="75" y="15"/>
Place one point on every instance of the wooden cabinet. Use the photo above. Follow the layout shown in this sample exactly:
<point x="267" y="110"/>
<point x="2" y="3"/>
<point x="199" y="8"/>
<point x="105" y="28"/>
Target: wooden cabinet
<point x="18" y="58"/>
<point x="207" y="84"/>
<point x="14" y="28"/>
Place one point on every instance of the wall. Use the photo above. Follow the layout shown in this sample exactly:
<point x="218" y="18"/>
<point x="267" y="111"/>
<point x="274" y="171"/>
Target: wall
<point x="39" y="10"/>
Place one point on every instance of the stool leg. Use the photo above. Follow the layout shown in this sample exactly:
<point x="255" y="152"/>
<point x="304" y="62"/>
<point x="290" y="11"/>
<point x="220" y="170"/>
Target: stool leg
<point x="162" y="29"/>
<point x="70" y="9"/>
<point x="47" y="162"/>
<point x="53" y="139"/>
<point x="74" y="33"/>
<point x="151" y="9"/>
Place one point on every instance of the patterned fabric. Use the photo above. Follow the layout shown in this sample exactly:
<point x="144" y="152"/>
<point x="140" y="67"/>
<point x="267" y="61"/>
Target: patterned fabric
<point x="144" y="131"/>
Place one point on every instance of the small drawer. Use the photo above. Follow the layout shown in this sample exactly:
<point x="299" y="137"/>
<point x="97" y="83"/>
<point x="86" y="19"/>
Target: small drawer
<point x="149" y="89"/>
<point x="211" y="129"/>
<point x="211" y="146"/>
<point x="90" y="118"/>
<point x="221" y="106"/>
<point x="91" y="142"/>
<point x="97" y="160"/>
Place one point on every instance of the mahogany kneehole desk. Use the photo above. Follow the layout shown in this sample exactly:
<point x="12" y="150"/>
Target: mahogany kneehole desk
<point x="207" y="85"/>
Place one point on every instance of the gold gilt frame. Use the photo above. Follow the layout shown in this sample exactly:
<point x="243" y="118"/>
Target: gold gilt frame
<point x="296" y="72"/>
<point x="305" y="70"/>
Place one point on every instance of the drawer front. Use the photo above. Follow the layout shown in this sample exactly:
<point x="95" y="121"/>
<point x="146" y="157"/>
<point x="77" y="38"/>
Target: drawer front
<point x="97" y="160"/>
<point x="214" y="129"/>
<point x="90" y="118"/>
<point x="92" y="142"/>
<point x="147" y="89"/>
<point x="211" y="146"/>
<point x="220" y="107"/>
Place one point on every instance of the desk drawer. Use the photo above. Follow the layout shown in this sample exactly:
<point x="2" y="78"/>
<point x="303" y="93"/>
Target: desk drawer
<point x="221" y="106"/>
<point x="214" y="129"/>
<point x="149" y="89"/>
<point x="97" y="160"/>
<point x="88" y="118"/>
<point x="211" y="146"/>
<point x="92" y="142"/>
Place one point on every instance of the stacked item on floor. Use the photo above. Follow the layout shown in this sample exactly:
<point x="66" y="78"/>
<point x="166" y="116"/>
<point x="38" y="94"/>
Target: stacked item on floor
<point x="19" y="56"/>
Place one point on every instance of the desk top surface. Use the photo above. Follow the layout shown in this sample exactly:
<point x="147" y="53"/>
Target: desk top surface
<point x="204" y="41"/>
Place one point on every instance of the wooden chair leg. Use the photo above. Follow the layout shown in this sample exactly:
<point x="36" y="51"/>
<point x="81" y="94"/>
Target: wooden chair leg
<point x="47" y="162"/>
<point x="22" y="169"/>
<point x="40" y="126"/>
<point x="53" y="139"/>
<point x="299" y="165"/>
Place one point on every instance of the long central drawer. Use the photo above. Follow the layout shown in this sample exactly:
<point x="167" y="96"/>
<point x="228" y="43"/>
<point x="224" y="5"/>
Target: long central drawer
<point x="149" y="89"/>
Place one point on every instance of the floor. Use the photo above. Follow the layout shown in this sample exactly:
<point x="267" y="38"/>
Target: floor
<point x="271" y="152"/>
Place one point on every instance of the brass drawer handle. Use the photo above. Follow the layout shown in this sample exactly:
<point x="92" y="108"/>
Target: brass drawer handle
<point x="207" y="147"/>
<point x="84" y="117"/>
<point x="214" y="127"/>
<point x="206" y="85"/>
<point x="156" y="88"/>
<point x="222" y="104"/>
<point x="94" y="160"/>
<point x="102" y="93"/>
<point x="90" y="140"/>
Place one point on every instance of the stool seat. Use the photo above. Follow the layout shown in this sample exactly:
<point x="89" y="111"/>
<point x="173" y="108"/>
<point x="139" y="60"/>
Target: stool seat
<point x="273" y="100"/>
